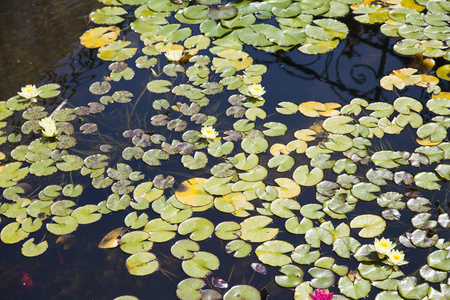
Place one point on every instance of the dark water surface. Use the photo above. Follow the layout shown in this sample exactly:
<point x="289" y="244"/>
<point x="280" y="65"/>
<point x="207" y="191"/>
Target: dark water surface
<point x="35" y="35"/>
<point x="38" y="44"/>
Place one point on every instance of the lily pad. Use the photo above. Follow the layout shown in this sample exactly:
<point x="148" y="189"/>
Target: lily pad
<point x="372" y="225"/>
<point x="201" y="265"/>
<point x="30" y="249"/>
<point x="142" y="263"/>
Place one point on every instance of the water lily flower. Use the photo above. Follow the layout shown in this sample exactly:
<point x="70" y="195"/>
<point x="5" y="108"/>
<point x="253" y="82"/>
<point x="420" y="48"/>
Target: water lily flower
<point x="48" y="126"/>
<point x="174" y="55"/>
<point x="209" y="133"/>
<point x="321" y="295"/>
<point x="396" y="258"/>
<point x="29" y="92"/>
<point x="256" y="90"/>
<point x="383" y="246"/>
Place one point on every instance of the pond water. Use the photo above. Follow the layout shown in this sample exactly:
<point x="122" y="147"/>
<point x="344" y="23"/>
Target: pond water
<point x="41" y="47"/>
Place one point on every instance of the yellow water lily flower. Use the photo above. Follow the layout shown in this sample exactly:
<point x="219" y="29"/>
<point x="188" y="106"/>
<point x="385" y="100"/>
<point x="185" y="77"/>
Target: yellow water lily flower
<point x="383" y="246"/>
<point x="396" y="258"/>
<point x="48" y="126"/>
<point x="208" y="132"/>
<point x="174" y="55"/>
<point x="256" y="90"/>
<point x="29" y="91"/>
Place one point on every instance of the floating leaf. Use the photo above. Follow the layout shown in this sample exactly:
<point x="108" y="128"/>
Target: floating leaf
<point x="372" y="225"/>
<point x="222" y="12"/>
<point x="111" y="240"/>
<point x="142" y="263"/>
<point x="62" y="225"/>
<point x="304" y="177"/>
<point x="239" y="247"/>
<point x="201" y="265"/>
<point x="200" y="228"/>
<point x="242" y="292"/>
<point x="189" y="288"/>
<point x="107" y="15"/>
<point x="99" y="36"/>
<point x="322" y="278"/>
<point x="12" y="233"/>
<point x="160" y="230"/>
<point x="254" y="229"/>
<point x="30" y="249"/>
<point x="357" y="289"/>
<point x="271" y="253"/>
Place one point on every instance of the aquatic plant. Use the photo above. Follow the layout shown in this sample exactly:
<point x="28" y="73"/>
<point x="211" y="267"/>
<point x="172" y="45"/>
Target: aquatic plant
<point x="255" y="174"/>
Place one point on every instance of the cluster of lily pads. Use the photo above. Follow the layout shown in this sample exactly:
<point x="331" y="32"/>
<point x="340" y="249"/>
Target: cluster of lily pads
<point x="250" y="171"/>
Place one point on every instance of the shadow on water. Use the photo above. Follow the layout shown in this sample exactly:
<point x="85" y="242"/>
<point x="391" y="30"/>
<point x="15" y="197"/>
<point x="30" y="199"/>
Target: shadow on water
<point x="38" y="42"/>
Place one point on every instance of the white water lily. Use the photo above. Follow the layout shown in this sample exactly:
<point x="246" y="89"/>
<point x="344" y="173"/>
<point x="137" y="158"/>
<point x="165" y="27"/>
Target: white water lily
<point x="396" y="258"/>
<point x="29" y="91"/>
<point x="208" y="132"/>
<point x="174" y="55"/>
<point x="383" y="246"/>
<point x="48" y="126"/>
<point x="256" y="90"/>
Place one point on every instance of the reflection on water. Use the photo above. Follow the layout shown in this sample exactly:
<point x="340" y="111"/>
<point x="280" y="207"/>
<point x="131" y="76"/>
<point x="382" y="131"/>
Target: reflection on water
<point x="85" y="272"/>
<point x="35" y="35"/>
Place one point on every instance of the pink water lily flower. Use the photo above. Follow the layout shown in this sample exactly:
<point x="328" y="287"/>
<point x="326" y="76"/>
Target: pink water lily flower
<point x="321" y="295"/>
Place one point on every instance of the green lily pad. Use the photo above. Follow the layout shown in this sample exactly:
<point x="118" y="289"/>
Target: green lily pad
<point x="30" y="225"/>
<point x="62" y="225"/>
<point x="184" y="249"/>
<point x="142" y="263"/>
<point x="62" y="207"/>
<point x="282" y="207"/>
<point x="439" y="260"/>
<point x="254" y="229"/>
<point x="322" y="278"/>
<point x="72" y="191"/>
<point x="271" y="253"/>
<point x="189" y="288"/>
<point x="254" y="145"/>
<point x="365" y="191"/>
<point x="304" y="177"/>
<point x="294" y="276"/>
<point x="408" y="288"/>
<point x="160" y="230"/>
<point x="30" y="249"/>
<point x="12" y="233"/>
<point x="107" y="15"/>
<point x="239" y="247"/>
<point x="293" y="225"/>
<point x="275" y="129"/>
<point x="282" y="162"/>
<point x="316" y="235"/>
<point x="427" y="180"/>
<point x="242" y="292"/>
<point x="228" y="230"/>
<point x="134" y="221"/>
<point x="372" y="225"/>
<point x="345" y="245"/>
<point x="432" y="275"/>
<point x="200" y="228"/>
<point x="357" y="289"/>
<point x="86" y="214"/>
<point x="245" y="163"/>
<point x="201" y="265"/>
